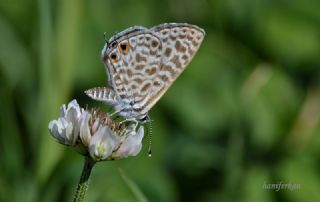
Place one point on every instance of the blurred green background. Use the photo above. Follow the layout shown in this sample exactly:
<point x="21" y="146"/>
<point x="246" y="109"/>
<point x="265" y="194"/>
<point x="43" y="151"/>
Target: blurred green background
<point x="245" y="113"/>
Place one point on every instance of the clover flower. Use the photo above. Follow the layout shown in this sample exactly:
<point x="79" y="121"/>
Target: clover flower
<point x="93" y="133"/>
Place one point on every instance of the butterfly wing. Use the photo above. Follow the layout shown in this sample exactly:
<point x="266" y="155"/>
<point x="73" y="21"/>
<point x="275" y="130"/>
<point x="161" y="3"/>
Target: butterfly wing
<point x="133" y="64"/>
<point x="143" y="63"/>
<point x="180" y="42"/>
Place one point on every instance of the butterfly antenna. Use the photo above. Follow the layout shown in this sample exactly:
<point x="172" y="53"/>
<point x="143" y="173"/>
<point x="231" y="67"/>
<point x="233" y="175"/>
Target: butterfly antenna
<point x="105" y="37"/>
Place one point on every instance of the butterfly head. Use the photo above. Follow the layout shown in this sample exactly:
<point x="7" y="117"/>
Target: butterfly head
<point x="115" y="51"/>
<point x="118" y="45"/>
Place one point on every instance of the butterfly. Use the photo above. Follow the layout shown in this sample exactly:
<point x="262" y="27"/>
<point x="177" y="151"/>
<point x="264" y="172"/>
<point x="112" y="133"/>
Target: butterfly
<point x="142" y="64"/>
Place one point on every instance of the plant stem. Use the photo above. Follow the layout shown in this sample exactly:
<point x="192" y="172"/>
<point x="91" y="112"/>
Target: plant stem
<point x="84" y="180"/>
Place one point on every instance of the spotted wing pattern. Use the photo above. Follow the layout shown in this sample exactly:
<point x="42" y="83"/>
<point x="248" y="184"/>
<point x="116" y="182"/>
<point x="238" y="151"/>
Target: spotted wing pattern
<point x="143" y="63"/>
<point x="180" y="42"/>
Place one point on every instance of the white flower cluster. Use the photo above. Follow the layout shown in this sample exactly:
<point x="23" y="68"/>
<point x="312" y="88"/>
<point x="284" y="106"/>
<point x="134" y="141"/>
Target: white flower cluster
<point x="94" y="133"/>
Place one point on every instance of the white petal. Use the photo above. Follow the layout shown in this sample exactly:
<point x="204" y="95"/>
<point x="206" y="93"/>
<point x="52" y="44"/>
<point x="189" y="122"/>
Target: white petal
<point x="55" y="128"/>
<point x="103" y="143"/>
<point x="85" y="134"/>
<point x="69" y="134"/>
<point x="61" y="130"/>
<point x="132" y="145"/>
<point x="95" y="125"/>
<point x="64" y="110"/>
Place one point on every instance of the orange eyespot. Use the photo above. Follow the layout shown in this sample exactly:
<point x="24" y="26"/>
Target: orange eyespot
<point x="113" y="57"/>
<point x="123" y="47"/>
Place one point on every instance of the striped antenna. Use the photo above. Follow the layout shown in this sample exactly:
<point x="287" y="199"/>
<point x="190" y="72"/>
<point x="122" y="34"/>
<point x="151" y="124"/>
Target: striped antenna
<point x="105" y="37"/>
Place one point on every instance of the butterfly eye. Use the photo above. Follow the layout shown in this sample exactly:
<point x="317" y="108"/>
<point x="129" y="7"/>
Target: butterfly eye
<point x="123" y="47"/>
<point x="114" y="57"/>
<point x="113" y="44"/>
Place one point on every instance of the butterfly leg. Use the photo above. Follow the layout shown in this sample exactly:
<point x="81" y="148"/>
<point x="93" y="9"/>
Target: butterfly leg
<point x="131" y="120"/>
<point x="115" y="112"/>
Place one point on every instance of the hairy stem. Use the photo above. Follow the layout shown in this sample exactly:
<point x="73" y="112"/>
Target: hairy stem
<point x="84" y="180"/>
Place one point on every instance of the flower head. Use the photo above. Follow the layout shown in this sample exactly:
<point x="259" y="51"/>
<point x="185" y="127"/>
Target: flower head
<point x="94" y="133"/>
